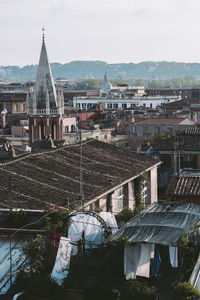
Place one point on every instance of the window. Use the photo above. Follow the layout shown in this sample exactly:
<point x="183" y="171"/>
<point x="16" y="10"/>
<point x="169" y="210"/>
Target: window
<point x="151" y="105"/>
<point x="133" y="105"/>
<point x="72" y="128"/>
<point x="24" y="107"/>
<point x="115" y="105"/>
<point x="96" y="137"/>
<point x="120" y="198"/>
<point x="105" y="137"/>
<point x="157" y="130"/>
<point x="66" y="128"/>
<point x="124" y="105"/>
<point x="144" y="105"/>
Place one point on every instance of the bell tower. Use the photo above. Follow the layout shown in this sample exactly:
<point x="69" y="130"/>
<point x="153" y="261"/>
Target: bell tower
<point x="45" y="104"/>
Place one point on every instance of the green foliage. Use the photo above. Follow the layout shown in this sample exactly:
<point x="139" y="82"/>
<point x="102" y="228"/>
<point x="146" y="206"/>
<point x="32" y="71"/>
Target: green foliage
<point x="185" y="291"/>
<point x="92" y="83"/>
<point x="126" y="214"/>
<point x="58" y="221"/>
<point x="41" y="254"/>
<point x="101" y="268"/>
<point x="186" y="82"/>
<point x="134" y="289"/>
<point x="189" y="252"/>
<point x="159" y="138"/>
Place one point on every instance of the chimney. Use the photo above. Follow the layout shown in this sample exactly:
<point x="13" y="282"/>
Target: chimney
<point x="3" y="118"/>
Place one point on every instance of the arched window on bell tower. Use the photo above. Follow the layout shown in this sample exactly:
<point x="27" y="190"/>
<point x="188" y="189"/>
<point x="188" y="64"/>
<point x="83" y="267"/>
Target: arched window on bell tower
<point x="41" y="131"/>
<point x="53" y="131"/>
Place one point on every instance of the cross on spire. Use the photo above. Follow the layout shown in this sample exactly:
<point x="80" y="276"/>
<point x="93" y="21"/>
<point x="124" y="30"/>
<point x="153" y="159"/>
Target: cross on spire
<point x="43" y="35"/>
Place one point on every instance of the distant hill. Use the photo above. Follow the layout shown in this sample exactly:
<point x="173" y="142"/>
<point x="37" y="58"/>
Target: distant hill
<point x="96" y="69"/>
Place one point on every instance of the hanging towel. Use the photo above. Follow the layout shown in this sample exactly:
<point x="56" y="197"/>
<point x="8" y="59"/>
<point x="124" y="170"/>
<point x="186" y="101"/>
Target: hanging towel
<point x="156" y="262"/>
<point x="173" y="254"/>
<point x="144" y="263"/>
<point x="132" y="255"/>
<point x="61" y="266"/>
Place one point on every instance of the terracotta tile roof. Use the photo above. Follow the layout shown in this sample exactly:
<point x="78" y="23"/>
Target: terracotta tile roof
<point x="161" y="121"/>
<point x="180" y="103"/>
<point x="52" y="177"/>
<point x="186" y="141"/>
<point x="192" y="131"/>
<point x="184" y="185"/>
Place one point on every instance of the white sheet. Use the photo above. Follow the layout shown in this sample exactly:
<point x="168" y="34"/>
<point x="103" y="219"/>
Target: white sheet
<point x="144" y="264"/>
<point x="173" y="254"/>
<point x="132" y="255"/>
<point x="137" y="260"/>
<point x="62" y="263"/>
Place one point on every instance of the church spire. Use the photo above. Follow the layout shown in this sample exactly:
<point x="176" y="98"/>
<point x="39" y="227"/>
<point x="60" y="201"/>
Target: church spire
<point x="105" y="77"/>
<point x="45" y="91"/>
<point x="43" y="35"/>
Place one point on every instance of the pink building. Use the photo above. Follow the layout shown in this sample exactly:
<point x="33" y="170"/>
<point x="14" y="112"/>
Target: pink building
<point x="69" y="124"/>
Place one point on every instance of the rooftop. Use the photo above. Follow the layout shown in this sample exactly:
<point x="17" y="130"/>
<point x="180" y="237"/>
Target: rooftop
<point x="36" y="181"/>
<point x="184" y="185"/>
<point x="165" y="121"/>
<point x="11" y="97"/>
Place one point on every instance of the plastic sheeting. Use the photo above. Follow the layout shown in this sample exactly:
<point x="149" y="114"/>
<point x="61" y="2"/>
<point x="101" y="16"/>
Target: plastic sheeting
<point x="161" y="223"/>
<point x="17" y="259"/>
<point x="92" y="228"/>
<point x="110" y="220"/>
<point x="61" y="266"/>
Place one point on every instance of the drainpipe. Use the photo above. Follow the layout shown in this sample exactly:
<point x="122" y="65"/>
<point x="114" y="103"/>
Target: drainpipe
<point x="3" y="119"/>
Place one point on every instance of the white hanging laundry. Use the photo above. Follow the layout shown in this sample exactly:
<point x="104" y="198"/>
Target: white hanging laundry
<point x="62" y="263"/>
<point x="137" y="260"/>
<point x="110" y="220"/>
<point x="152" y="251"/>
<point x="173" y="254"/>
<point x="132" y="253"/>
<point x="144" y="263"/>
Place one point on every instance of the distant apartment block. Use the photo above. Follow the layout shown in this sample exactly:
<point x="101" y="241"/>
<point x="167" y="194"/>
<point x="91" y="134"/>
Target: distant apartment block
<point x="118" y="102"/>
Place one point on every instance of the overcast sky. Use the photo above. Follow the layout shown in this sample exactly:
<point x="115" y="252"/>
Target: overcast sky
<point x="109" y="30"/>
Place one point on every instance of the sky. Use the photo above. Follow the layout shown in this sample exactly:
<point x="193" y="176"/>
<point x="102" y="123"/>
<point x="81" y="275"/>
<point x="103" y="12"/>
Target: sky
<point x="106" y="30"/>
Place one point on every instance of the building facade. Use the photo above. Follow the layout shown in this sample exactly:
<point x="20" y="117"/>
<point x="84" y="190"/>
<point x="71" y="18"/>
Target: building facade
<point x="118" y="102"/>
